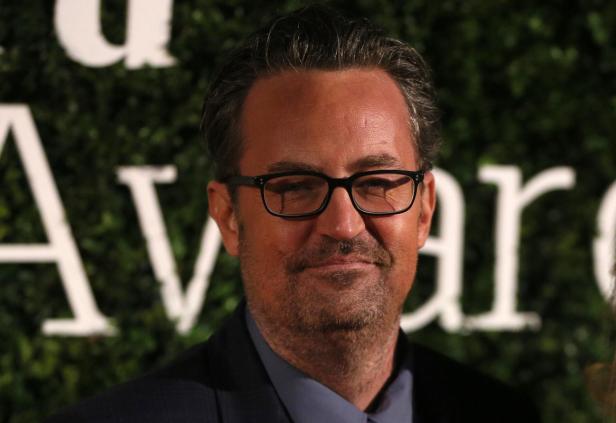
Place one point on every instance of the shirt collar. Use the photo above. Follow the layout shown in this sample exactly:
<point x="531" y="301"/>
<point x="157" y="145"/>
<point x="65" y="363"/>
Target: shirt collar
<point x="307" y="400"/>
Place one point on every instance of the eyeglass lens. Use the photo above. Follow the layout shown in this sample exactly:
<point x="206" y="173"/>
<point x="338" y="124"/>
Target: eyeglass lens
<point x="297" y="195"/>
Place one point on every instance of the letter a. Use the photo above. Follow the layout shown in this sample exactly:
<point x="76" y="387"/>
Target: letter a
<point x="78" y="27"/>
<point x="61" y="249"/>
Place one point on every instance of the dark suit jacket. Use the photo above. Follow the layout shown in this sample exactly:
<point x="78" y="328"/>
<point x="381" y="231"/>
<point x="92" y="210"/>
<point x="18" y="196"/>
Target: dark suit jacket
<point x="223" y="380"/>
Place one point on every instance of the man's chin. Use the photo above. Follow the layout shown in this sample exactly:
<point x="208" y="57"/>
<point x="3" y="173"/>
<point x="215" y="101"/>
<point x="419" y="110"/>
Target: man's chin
<point x="347" y="312"/>
<point x="357" y="323"/>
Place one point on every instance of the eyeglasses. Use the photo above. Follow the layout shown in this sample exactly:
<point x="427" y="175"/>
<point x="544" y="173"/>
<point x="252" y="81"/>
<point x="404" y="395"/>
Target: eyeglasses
<point x="303" y="193"/>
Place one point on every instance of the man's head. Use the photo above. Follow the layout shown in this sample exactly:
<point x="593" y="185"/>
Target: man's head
<point x="316" y="92"/>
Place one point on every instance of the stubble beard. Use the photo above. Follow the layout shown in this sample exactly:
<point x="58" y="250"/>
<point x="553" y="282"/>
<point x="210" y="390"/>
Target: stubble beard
<point x="351" y="310"/>
<point x="360" y="304"/>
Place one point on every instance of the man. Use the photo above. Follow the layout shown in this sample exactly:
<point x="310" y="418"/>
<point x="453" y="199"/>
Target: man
<point x="323" y="131"/>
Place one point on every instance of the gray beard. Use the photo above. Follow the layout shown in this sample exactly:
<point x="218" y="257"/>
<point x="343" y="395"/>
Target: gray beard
<point x="357" y="311"/>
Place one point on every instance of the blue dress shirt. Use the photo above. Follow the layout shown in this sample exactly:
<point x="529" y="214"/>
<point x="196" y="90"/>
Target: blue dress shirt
<point x="309" y="401"/>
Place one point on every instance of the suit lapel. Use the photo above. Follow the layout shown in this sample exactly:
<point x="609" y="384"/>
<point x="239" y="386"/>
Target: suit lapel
<point x="433" y="401"/>
<point x="243" y="390"/>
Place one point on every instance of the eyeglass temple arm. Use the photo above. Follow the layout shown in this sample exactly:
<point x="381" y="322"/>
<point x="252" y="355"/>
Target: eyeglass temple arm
<point x="243" y="180"/>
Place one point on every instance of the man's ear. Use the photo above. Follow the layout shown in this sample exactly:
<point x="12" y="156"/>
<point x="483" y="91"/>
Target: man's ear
<point x="427" y="203"/>
<point x="221" y="210"/>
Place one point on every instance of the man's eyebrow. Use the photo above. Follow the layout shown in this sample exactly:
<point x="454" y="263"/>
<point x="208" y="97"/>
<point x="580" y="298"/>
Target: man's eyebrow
<point x="291" y="166"/>
<point x="376" y="160"/>
<point x="371" y="161"/>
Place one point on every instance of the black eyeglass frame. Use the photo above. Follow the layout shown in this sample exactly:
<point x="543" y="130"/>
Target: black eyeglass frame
<point x="332" y="183"/>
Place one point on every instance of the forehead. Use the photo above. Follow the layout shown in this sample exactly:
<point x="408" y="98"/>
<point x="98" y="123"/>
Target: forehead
<point x="326" y="120"/>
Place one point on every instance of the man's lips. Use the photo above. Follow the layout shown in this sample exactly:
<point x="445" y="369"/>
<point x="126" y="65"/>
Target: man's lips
<point x="342" y="263"/>
<point x="331" y="256"/>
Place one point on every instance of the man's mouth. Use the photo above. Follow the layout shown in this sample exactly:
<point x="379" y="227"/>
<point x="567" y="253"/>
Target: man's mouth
<point x="338" y="256"/>
<point x="341" y="264"/>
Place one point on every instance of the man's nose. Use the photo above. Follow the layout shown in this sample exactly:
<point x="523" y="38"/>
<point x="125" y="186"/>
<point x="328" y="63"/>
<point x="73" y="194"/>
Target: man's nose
<point x="340" y="220"/>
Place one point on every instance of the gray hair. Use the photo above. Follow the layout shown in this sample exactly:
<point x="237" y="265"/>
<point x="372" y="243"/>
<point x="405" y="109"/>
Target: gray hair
<point x="315" y="38"/>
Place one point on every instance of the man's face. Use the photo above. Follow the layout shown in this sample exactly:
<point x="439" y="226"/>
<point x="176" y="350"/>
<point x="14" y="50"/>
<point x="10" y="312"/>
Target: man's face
<point x="340" y="270"/>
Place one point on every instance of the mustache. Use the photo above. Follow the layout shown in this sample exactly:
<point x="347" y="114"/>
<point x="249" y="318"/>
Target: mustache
<point x="366" y="250"/>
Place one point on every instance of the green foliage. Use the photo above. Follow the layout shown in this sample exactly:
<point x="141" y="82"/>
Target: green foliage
<point x="523" y="83"/>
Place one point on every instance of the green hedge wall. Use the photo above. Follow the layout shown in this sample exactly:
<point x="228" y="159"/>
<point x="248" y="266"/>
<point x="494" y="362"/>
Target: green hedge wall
<point x="532" y="84"/>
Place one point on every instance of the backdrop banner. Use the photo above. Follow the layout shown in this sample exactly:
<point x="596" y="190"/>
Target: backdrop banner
<point x="110" y="265"/>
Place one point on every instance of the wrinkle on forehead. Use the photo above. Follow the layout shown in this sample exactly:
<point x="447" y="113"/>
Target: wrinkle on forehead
<point x="356" y="112"/>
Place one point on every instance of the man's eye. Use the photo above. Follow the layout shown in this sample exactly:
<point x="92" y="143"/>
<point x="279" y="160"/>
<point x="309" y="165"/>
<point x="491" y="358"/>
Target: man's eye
<point x="292" y="188"/>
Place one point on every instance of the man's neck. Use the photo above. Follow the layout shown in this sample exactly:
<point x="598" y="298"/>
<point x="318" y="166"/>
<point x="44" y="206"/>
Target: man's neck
<point x="354" y="364"/>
